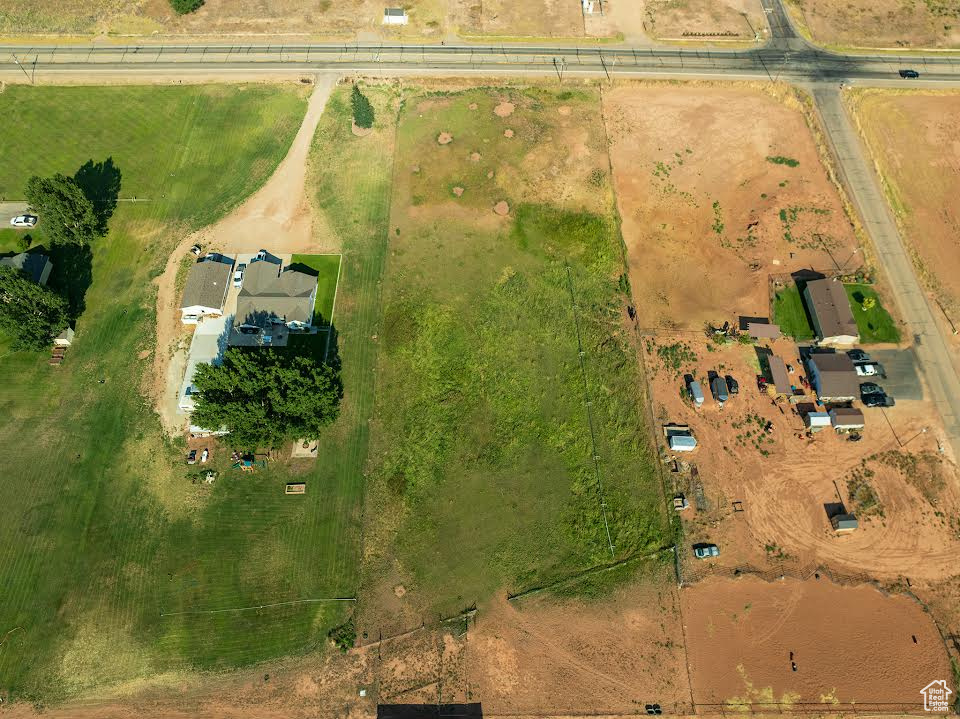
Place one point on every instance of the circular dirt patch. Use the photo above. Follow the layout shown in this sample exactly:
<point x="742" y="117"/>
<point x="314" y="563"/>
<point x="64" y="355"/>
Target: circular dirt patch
<point x="504" y="109"/>
<point x="142" y="355"/>
<point x="502" y="208"/>
<point x="475" y="156"/>
<point x="415" y="169"/>
<point x="508" y="132"/>
<point x="490" y="175"/>
<point x="399" y="590"/>
<point x="473" y="106"/>
<point x="444" y="138"/>
<point x="564" y="109"/>
<point x="458" y="191"/>
<point x="359" y="131"/>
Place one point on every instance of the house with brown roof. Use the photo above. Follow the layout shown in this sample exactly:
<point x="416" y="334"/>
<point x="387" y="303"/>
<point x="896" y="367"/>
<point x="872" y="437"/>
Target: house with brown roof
<point x="846" y="419"/>
<point x="833" y="377"/>
<point x="830" y="311"/>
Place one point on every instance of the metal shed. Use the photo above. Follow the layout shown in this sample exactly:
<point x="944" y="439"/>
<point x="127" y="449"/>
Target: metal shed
<point x="779" y="375"/>
<point x="844" y="523"/>
<point x="682" y="443"/>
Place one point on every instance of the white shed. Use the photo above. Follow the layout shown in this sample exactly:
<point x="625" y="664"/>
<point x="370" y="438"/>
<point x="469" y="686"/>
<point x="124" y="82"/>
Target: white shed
<point x="395" y="16"/>
<point x="817" y="420"/>
<point x="682" y="443"/>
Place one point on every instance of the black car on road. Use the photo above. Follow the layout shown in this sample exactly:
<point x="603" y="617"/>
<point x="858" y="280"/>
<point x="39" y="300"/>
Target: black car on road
<point x="909" y="74"/>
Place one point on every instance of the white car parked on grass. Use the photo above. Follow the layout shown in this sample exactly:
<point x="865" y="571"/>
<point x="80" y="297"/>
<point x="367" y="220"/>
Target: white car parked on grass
<point x="24" y="221"/>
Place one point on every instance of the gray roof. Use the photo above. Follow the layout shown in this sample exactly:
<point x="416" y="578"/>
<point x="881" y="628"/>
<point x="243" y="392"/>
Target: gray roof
<point x="33" y="263"/>
<point x="844" y="521"/>
<point x="779" y="375"/>
<point x="830" y="307"/>
<point x="268" y="293"/>
<point x="763" y="330"/>
<point x="207" y="284"/>
<point x="394" y="12"/>
<point x="837" y="377"/>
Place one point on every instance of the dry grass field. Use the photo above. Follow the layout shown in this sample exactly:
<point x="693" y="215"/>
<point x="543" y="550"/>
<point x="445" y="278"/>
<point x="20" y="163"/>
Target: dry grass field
<point x="893" y="24"/>
<point x="705" y="20"/>
<point x="913" y="140"/>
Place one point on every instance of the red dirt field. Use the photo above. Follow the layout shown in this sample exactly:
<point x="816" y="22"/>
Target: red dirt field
<point x="850" y="644"/>
<point x="707" y="178"/>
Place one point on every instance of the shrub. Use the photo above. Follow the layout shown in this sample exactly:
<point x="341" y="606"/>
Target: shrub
<point x="183" y="7"/>
<point x="23" y="243"/>
<point x="344" y="636"/>
<point x="362" y="109"/>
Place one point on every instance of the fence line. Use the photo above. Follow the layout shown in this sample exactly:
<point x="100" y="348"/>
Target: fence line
<point x="258" y="606"/>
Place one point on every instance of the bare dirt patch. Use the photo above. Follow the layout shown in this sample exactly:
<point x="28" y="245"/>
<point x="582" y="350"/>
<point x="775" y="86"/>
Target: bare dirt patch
<point x="458" y="191"/>
<point x="444" y="138"/>
<point x="502" y="208"/>
<point x="706" y="20"/>
<point x="504" y="109"/>
<point x="543" y="655"/>
<point x="693" y="180"/>
<point x="879" y="23"/>
<point x="508" y="132"/>
<point x="564" y="110"/>
<point x="849" y="643"/>
<point x="475" y="157"/>
<point x="913" y="139"/>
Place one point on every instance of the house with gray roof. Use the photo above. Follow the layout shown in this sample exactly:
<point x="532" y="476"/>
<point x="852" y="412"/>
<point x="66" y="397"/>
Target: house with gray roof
<point x="206" y="289"/>
<point x="272" y="302"/>
<point x="830" y="311"/>
<point x="34" y="264"/>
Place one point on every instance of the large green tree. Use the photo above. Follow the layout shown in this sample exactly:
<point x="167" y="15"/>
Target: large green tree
<point x="30" y="314"/>
<point x="362" y="109"/>
<point x="66" y="212"/>
<point x="266" y="396"/>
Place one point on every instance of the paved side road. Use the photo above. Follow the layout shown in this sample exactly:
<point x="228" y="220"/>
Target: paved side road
<point x="858" y="176"/>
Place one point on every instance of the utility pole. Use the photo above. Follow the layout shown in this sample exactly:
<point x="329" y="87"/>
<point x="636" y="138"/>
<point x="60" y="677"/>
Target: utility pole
<point x="22" y="68"/>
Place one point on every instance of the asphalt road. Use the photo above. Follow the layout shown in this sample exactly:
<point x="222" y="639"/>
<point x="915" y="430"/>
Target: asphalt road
<point x="787" y="57"/>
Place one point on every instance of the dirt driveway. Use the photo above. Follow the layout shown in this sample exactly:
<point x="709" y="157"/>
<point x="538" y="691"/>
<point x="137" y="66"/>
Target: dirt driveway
<point x="278" y="217"/>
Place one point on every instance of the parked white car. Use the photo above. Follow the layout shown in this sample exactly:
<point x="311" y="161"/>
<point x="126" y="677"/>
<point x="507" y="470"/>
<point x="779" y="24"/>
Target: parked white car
<point x="238" y="274"/>
<point x="24" y="221"/>
<point x="865" y="370"/>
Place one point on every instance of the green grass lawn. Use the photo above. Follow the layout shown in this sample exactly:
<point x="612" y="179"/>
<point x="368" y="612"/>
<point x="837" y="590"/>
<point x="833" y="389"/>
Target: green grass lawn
<point x="104" y="531"/>
<point x="327" y="270"/>
<point x="790" y="314"/>
<point x="484" y="474"/>
<point x="874" y="324"/>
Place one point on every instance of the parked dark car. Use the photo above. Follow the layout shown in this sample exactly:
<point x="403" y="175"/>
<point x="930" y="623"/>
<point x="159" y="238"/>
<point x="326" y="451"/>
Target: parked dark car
<point x="858" y="356"/>
<point x="719" y="389"/>
<point x="732" y="385"/>
<point x="869" y="388"/>
<point x="878" y="400"/>
<point x="192" y="457"/>
<point x="909" y="74"/>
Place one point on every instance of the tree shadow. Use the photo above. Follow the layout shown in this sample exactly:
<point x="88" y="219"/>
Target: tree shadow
<point x="100" y="182"/>
<point x="71" y="276"/>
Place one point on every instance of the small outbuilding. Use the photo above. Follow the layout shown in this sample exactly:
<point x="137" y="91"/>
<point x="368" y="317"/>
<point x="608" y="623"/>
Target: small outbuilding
<point x="395" y="16"/>
<point x="815" y="421"/>
<point x="64" y="339"/>
<point x="846" y="419"/>
<point x="844" y="523"/>
<point x="779" y="375"/>
<point x="682" y="442"/>
<point x="765" y="331"/>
